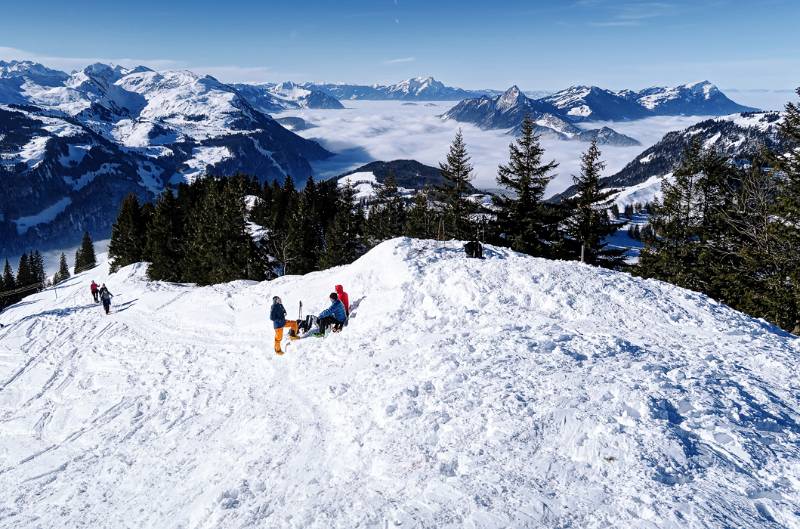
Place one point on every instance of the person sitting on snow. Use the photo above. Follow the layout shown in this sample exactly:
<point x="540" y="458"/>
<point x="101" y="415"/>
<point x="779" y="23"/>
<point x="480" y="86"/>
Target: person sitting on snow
<point x="333" y="315"/>
<point x="278" y="316"/>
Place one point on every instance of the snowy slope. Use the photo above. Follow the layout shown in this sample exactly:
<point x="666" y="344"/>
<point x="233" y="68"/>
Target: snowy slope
<point x="506" y="392"/>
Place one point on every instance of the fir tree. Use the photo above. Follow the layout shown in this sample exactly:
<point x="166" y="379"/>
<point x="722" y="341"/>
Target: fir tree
<point x="304" y="237"/>
<point x="25" y="277"/>
<point x="63" y="270"/>
<point x="9" y="282"/>
<point x="164" y="247"/>
<point x="420" y="221"/>
<point x="589" y="223"/>
<point x="127" y="234"/>
<point x="526" y="222"/>
<point x="387" y="213"/>
<point x="219" y="248"/>
<point x="85" y="258"/>
<point x="38" y="274"/>
<point x="457" y="174"/>
<point x="344" y="239"/>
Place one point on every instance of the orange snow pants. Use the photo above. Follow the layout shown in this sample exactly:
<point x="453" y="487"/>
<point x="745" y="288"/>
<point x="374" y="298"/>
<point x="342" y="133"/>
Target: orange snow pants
<point x="279" y="333"/>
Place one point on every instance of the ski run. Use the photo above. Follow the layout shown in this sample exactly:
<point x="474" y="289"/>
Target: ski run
<point x="505" y="392"/>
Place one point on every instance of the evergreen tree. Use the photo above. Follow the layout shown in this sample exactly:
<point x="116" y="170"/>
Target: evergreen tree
<point x="787" y="206"/>
<point x="420" y="222"/>
<point x="164" y="247"/>
<point x="25" y="277"/>
<point x="63" y="270"/>
<point x="526" y="222"/>
<point x="589" y="223"/>
<point x="457" y="174"/>
<point x="387" y="213"/>
<point x="38" y="274"/>
<point x="304" y="237"/>
<point x="128" y="234"/>
<point x="85" y="258"/>
<point x="9" y="282"/>
<point x="344" y="239"/>
<point x="219" y="248"/>
<point x="690" y="247"/>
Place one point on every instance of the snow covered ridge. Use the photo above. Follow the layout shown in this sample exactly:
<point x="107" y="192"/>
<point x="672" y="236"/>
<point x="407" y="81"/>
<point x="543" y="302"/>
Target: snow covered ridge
<point x="509" y="109"/>
<point x="505" y="392"/>
<point x="144" y="129"/>
<point x="737" y="136"/>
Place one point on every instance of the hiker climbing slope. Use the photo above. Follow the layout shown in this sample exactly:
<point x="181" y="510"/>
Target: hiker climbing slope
<point x="105" y="296"/>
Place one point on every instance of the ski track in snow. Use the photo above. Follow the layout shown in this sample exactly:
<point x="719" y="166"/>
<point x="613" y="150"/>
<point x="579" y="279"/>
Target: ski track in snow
<point x="505" y="392"/>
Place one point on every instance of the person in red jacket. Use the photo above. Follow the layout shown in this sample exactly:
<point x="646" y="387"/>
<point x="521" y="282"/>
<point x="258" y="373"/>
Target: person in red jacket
<point x="344" y="298"/>
<point x="95" y="290"/>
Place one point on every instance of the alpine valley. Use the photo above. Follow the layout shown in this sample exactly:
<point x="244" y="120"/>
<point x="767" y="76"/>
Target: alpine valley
<point x="72" y="145"/>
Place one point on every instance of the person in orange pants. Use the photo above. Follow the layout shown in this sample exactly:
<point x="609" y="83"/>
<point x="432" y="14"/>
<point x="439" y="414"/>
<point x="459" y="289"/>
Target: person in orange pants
<point x="278" y="316"/>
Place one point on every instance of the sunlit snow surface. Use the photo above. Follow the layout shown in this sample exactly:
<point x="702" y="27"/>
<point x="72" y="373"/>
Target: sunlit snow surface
<point x="387" y="130"/>
<point x="505" y="392"/>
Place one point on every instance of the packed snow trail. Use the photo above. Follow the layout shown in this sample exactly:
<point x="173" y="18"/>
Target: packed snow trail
<point x="505" y="392"/>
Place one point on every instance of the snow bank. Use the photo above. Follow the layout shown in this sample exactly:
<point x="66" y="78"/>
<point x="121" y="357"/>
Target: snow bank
<point x="505" y="392"/>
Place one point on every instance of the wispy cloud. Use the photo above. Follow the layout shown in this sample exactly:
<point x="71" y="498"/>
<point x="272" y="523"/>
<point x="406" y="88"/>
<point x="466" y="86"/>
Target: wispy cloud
<point x="400" y="60"/>
<point x="627" y="14"/>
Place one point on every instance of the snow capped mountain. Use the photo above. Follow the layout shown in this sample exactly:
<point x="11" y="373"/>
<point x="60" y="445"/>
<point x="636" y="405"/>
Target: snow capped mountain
<point x="509" y="109"/>
<point x="415" y="89"/>
<point x="519" y="392"/>
<point x="271" y="97"/>
<point x="585" y="103"/>
<point x="739" y="136"/>
<point x="162" y="128"/>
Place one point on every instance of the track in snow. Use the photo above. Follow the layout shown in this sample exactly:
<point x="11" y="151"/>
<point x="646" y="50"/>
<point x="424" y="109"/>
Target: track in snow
<point x="505" y="392"/>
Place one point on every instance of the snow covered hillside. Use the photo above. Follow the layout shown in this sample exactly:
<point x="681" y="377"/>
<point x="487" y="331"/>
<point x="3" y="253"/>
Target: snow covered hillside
<point x="505" y="392"/>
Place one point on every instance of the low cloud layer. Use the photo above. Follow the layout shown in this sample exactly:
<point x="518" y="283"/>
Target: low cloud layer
<point x="388" y="130"/>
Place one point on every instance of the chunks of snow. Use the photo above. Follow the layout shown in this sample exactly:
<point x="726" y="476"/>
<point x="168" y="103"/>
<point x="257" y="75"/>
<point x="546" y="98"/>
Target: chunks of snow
<point x="33" y="152"/>
<point x="202" y="157"/>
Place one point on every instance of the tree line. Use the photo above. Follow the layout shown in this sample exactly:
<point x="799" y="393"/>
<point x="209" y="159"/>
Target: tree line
<point x="31" y="277"/>
<point x="733" y="232"/>
<point x="725" y="230"/>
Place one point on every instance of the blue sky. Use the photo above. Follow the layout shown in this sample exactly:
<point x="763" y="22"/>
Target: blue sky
<point x="535" y="44"/>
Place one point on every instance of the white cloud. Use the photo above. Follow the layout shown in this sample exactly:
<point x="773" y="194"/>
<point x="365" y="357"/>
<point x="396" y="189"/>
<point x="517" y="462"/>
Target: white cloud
<point x="400" y="60"/>
<point x="389" y="130"/>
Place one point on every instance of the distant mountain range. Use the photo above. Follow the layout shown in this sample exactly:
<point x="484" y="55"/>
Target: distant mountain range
<point x="739" y="136"/>
<point x="507" y="111"/>
<point x="415" y="89"/>
<point x="74" y="144"/>
<point x="555" y="114"/>
<point x="276" y="97"/>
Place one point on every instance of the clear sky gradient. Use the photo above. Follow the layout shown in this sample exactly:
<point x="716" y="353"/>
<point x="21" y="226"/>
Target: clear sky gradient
<point x="535" y="44"/>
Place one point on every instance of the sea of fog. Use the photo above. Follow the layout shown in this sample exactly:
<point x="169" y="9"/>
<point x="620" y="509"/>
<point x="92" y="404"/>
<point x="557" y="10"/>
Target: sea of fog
<point x="366" y="131"/>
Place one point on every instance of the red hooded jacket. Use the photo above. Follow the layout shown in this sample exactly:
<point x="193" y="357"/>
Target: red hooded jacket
<point x="344" y="298"/>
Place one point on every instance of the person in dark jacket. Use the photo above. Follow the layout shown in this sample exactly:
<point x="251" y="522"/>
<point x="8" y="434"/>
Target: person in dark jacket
<point x="95" y="289"/>
<point x="278" y="316"/>
<point x="105" y="297"/>
<point x="333" y="315"/>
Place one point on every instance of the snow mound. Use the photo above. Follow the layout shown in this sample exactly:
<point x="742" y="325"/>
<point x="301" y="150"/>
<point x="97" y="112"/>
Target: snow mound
<point x="504" y="392"/>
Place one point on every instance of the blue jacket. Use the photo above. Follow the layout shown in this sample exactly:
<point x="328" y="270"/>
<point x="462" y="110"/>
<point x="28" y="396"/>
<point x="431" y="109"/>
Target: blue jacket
<point x="336" y="310"/>
<point x="277" y="315"/>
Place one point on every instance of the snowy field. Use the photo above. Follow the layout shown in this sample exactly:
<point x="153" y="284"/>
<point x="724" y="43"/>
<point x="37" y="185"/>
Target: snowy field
<point x="386" y="130"/>
<point x="506" y="392"/>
